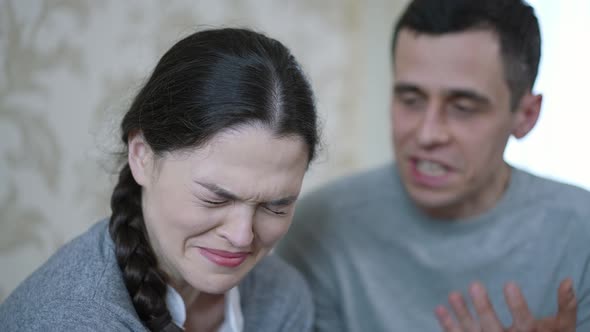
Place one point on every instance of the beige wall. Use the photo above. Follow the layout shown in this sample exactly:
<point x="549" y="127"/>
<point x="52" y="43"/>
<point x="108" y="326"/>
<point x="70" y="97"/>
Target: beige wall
<point x="68" y="69"/>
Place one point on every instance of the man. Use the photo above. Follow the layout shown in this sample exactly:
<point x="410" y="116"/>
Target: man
<point x="385" y="249"/>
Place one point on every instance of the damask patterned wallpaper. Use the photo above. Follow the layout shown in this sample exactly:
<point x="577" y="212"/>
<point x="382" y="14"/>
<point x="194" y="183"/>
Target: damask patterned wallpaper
<point x="69" y="68"/>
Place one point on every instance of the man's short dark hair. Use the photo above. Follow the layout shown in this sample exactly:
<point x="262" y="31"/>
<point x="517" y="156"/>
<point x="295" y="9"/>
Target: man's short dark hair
<point x="513" y="21"/>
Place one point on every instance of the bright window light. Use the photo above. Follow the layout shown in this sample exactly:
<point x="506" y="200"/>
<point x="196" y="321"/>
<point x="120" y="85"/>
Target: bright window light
<point x="558" y="147"/>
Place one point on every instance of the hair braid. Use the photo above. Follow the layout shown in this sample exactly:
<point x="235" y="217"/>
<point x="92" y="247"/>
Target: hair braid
<point x="136" y="259"/>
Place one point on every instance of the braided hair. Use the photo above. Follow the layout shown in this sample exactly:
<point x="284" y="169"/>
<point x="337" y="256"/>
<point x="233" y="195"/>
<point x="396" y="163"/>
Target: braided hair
<point x="207" y="82"/>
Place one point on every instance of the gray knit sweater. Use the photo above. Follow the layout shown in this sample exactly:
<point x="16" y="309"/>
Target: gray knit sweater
<point x="80" y="288"/>
<point x="375" y="262"/>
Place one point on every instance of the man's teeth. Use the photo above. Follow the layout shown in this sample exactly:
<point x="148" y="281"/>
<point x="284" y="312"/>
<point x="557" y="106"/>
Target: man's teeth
<point x="430" y="168"/>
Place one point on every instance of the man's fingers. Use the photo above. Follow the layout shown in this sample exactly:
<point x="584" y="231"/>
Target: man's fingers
<point x="522" y="319"/>
<point x="462" y="311"/>
<point x="488" y="319"/>
<point x="446" y="321"/>
<point x="548" y="324"/>
<point x="567" y="306"/>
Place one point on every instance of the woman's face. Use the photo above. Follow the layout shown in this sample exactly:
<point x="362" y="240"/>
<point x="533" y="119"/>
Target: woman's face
<point x="212" y="213"/>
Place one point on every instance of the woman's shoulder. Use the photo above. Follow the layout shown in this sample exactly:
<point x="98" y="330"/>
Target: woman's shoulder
<point x="74" y="269"/>
<point x="81" y="275"/>
<point x="273" y="285"/>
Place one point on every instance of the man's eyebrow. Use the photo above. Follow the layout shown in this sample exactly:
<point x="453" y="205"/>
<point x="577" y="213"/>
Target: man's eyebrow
<point x="403" y="87"/>
<point x="469" y="94"/>
<point x="219" y="191"/>
<point x="231" y="196"/>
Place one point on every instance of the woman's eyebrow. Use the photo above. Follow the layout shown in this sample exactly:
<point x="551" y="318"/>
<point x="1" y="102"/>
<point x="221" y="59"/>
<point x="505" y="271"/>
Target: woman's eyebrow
<point x="283" y="201"/>
<point x="219" y="191"/>
<point x="231" y="196"/>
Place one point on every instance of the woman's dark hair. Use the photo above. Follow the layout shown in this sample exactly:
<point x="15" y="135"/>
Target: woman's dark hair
<point x="513" y="21"/>
<point x="208" y="82"/>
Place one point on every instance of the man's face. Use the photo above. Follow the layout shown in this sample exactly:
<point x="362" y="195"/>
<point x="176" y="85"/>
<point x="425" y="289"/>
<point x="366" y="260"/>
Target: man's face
<point x="451" y="121"/>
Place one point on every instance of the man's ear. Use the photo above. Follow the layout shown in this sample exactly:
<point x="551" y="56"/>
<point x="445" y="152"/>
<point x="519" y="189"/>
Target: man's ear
<point x="140" y="158"/>
<point x="527" y="114"/>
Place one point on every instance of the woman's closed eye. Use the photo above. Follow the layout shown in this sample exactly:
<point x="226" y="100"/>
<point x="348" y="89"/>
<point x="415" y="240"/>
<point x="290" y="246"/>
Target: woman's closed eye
<point x="280" y="207"/>
<point x="276" y="211"/>
<point x="213" y="202"/>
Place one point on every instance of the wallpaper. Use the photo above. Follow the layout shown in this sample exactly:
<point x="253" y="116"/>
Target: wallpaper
<point x="69" y="68"/>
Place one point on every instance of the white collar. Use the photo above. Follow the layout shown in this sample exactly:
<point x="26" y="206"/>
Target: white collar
<point x="233" y="321"/>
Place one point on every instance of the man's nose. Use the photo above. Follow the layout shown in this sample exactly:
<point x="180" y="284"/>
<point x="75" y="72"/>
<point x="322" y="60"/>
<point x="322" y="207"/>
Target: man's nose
<point x="433" y="129"/>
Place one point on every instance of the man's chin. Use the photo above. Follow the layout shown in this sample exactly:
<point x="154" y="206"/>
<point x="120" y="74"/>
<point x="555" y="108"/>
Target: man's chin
<point x="436" y="204"/>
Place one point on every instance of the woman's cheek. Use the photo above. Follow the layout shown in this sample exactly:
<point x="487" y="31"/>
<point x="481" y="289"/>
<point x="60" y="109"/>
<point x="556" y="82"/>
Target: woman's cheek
<point x="270" y="230"/>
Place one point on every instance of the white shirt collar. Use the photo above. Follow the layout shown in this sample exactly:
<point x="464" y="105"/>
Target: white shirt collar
<point x="233" y="321"/>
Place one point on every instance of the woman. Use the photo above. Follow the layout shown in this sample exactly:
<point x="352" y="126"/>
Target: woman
<point x="217" y="144"/>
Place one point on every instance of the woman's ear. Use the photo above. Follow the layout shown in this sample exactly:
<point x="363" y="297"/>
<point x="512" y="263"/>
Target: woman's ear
<point x="527" y="114"/>
<point x="140" y="158"/>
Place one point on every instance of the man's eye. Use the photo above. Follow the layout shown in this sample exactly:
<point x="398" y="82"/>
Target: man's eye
<point x="462" y="108"/>
<point x="411" y="101"/>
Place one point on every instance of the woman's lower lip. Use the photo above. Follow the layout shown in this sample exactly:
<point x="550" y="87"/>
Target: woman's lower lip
<point x="234" y="261"/>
